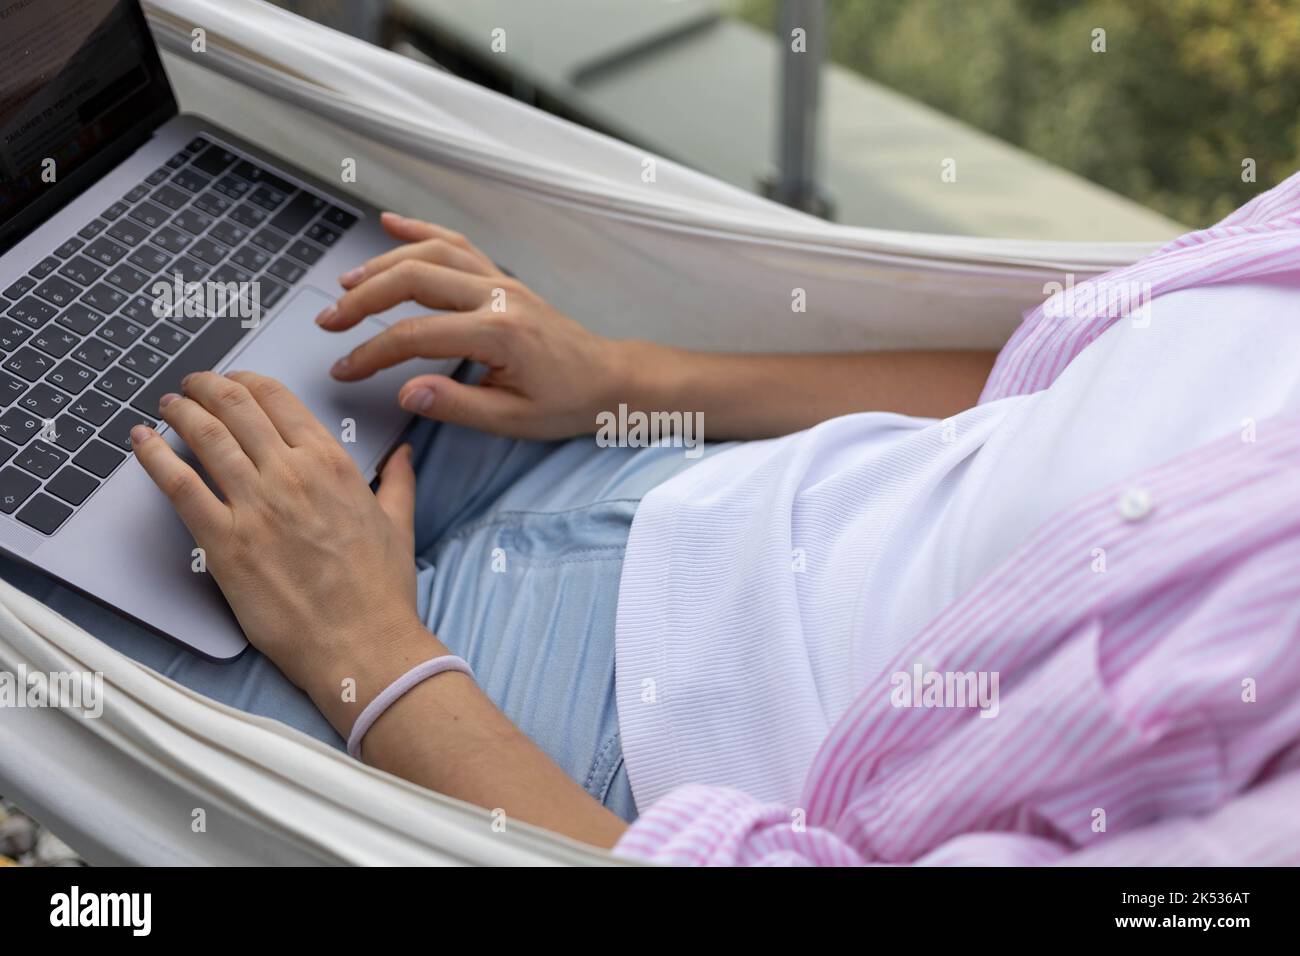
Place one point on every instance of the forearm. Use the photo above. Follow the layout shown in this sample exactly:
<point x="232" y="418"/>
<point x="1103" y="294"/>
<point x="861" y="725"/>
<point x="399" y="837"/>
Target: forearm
<point x="446" y="735"/>
<point x="760" y="396"/>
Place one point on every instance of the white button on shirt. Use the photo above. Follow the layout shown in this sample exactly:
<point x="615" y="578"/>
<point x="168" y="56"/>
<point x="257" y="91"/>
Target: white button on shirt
<point x="1134" y="504"/>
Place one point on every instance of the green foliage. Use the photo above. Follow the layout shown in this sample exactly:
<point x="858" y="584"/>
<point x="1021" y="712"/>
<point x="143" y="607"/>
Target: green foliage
<point x="1185" y="91"/>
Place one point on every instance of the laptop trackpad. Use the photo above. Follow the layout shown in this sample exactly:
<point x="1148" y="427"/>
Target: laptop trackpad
<point x="363" y="416"/>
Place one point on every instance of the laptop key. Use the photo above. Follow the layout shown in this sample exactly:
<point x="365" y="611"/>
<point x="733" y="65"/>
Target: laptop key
<point x="105" y="251"/>
<point x="140" y="310"/>
<point x="55" y="341"/>
<point x="70" y="434"/>
<point x="69" y="248"/>
<point x="115" y="211"/>
<point x="192" y="221"/>
<point x="136" y="194"/>
<point x="213" y="204"/>
<point x="214" y="160"/>
<point x="96" y="354"/>
<point x="104" y="298"/>
<point x="256" y="174"/>
<point x="97" y="458"/>
<point x="80" y="270"/>
<point x="340" y="218"/>
<point x="19" y="427"/>
<point x="7" y="451"/>
<point x="248" y="215"/>
<point x="250" y="258"/>
<point x="158" y="176"/>
<point x="229" y="233"/>
<point x="15" y="488"/>
<point x="191" y="180"/>
<point x="47" y="266"/>
<point x="44" y="401"/>
<point x="91" y="229"/>
<point x="167" y="339"/>
<point x="41" y="459"/>
<point x="12" y="335"/>
<point x="70" y="377"/>
<point x="150" y="259"/>
<point x="128" y="232"/>
<point x="270" y="240"/>
<point x="197" y="145"/>
<point x="305" y="252"/>
<point x="32" y="312"/>
<point x="205" y="250"/>
<point x="119" y="383"/>
<point x="118" y="431"/>
<point x="80" y="319"/>
<point x="72" y="485"/>
<point x="172" y="240"/>
<point x="301" y="210"/>
<point x="232" y="187"/>
<point x="268" y="197"/>
<point x="44" y="513"/>
<point x="170" y="196"/>
<point x="120" y="332"/>
<point x="231" y="272"/>
<point x="270" y="293"/>
<point x="127" y="278"/>
<point x="150" y="215"/>
<point x="19" y="288"/>
<point x="288" y="270"/>
<point x="58" y="291"/>
<point x="179" y="160"/>
<point x="144" y="362"/>
<point x="323" y="234"/>
<point x="92" y="407"/>
<point x="29" y="364"/>
<point x="10" y="387"/>
<point x="190" y="270"/>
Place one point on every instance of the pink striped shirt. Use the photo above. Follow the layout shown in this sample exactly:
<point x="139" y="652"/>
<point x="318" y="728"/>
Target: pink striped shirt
<point x="1149" y="715"/>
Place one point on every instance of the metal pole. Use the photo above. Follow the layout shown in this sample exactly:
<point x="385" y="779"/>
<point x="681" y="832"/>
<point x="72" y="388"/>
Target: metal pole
<point x="802" y="43"/>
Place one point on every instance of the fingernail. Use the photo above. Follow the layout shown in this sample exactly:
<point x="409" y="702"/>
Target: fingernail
<point x="418" y="400"/>
<point x="341" y="366"/>
<point x="327" y="315"/>
<point x="141" y="434"/>
<point x="186" y="380"/>
<point x="352" y="277"/>
<point x="167" y="399"/>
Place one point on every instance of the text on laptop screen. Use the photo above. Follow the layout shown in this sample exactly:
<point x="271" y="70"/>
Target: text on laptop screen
<point x="75" y="77"/>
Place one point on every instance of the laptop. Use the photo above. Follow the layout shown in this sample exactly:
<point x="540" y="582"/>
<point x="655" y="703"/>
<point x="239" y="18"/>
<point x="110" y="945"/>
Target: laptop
<point x="108" y="194"/>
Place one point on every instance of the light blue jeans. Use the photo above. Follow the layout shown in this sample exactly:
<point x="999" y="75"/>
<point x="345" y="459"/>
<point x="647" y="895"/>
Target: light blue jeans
<point x="519" y="546"/>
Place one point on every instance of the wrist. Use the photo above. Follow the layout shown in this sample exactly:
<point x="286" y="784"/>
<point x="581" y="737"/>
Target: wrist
<point x="643" y="376"/>
<point x="343" y="685"/>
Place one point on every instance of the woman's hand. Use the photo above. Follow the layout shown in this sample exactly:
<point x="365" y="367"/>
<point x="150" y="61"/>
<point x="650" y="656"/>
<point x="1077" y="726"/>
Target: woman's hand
<point x="321" y="574"/>
<point x="548" y="377"/>
<point x="318" y="569"/>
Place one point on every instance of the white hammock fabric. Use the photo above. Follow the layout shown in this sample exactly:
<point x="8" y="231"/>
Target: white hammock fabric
<point x="682" y="259"/>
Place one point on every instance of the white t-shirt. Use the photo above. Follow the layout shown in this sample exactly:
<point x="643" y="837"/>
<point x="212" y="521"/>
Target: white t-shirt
<point x="764" y="586"/>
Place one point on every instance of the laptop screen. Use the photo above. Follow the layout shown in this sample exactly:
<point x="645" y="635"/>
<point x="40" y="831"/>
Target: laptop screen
<point x="81" y="86"/>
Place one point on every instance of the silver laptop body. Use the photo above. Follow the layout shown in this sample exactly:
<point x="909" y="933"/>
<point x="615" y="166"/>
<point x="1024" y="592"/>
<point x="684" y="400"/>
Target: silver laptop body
<point x="80" y="357"/>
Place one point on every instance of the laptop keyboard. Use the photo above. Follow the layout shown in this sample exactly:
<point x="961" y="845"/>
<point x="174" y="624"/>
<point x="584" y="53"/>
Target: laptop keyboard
<point x="83" y="358"/>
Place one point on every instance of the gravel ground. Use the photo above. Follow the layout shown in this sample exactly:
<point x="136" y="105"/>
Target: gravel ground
<point x="24" y="842"/>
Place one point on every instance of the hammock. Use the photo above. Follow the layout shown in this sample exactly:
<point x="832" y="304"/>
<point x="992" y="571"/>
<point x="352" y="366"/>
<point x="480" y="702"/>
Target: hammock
<point x="683" y="259"/>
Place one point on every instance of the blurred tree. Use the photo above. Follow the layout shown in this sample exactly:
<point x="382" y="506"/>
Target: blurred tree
<point x="1184" y="92"/>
